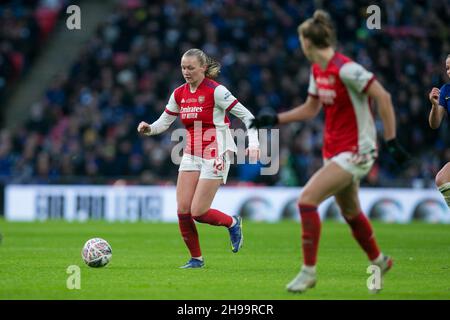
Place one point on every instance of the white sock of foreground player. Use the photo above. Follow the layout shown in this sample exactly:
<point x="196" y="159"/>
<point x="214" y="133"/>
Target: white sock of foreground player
<point x="445" y="190"/>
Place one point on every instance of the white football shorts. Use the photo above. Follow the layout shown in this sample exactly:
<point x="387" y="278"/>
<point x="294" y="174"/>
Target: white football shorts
<point x="358" y="165"/>
<point x="217" y="168"/>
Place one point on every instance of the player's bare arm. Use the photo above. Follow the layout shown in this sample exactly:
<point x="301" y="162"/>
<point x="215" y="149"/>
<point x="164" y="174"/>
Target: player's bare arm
<point x="306" y="111"/>
<point x="387" y="115"/>
<point x="385" y="108"/>
<point x="437" y="111"/>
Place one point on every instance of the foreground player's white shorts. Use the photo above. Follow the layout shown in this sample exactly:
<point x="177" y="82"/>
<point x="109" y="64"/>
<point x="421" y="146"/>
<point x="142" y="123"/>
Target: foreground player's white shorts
<point x="209" y="168"/>
<point x="358" y="165"/>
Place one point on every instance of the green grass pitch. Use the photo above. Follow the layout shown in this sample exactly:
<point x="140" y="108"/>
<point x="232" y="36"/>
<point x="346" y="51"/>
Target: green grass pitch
<point x="34" y="258"/>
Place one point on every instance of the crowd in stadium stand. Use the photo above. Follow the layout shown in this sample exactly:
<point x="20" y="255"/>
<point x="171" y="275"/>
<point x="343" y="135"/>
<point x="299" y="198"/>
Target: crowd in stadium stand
<point x="24" y="27"/>
<point x="84" y="128"/>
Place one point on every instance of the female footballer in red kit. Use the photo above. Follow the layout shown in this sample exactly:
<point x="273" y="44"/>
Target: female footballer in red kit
<point x="343" y="89"/>
<point x="202" y="104"/>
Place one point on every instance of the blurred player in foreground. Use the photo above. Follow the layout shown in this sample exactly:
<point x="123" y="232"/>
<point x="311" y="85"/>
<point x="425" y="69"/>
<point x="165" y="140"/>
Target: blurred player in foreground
<point x="344" y="89"/>
<point x="202" y="105"/>
<point x="440" y="104"/>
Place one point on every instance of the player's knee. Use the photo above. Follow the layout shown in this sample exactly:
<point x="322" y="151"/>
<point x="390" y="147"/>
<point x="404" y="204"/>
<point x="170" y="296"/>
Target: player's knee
<point x="348" y="209"/>
<point x="183" y="208"/>
<point x="443" y="176"/>
<point x="308" y="197"/>
<point x="350" y="214"/>
<point x="440" y="179"/>
<point x="197" y="211"/>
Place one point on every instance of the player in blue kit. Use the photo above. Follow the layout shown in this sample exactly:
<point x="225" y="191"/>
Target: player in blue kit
<point x="440" y="104"/>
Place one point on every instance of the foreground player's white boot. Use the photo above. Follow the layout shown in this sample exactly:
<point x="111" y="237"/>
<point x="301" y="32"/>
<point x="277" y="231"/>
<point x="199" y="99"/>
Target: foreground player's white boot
<point x="303" y="281"/>
<point x="385" y="264"/>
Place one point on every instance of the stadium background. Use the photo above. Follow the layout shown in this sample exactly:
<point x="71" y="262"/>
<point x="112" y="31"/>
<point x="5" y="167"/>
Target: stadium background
<point x="71" y="101"/>
<point x="82" y="127"/>
<point x="79" y="126"/>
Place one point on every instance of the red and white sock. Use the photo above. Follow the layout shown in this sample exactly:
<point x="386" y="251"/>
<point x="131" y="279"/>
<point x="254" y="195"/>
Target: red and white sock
<point x="189" y="233"/>
<point x="379" y="260"/>
<point x="310" y="233"/>
<point x="363" y="233"/>
<point x="215" y="218"/>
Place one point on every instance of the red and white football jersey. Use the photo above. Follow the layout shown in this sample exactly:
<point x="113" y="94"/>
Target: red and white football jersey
<point x="341" y="89"/>
<point x="203" y="113"/>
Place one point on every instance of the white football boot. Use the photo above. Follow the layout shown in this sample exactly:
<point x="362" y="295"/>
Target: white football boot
<point x="385" y="265"/>
<point x="302" y="282"/>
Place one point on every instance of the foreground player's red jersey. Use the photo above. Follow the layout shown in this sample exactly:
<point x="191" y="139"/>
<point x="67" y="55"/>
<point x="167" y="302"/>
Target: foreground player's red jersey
<point x="206" y="109"/>
<point x="341" y="89"/>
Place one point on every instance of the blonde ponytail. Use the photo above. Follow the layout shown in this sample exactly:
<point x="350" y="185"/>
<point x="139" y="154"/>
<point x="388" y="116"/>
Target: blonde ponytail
<point x="319" y="29"/>
<point x="213" y="69"/>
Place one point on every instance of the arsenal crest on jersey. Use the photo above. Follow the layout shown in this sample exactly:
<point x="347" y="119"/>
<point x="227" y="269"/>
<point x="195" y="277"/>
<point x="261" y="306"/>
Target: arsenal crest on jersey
<point x="201" y="99"/>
